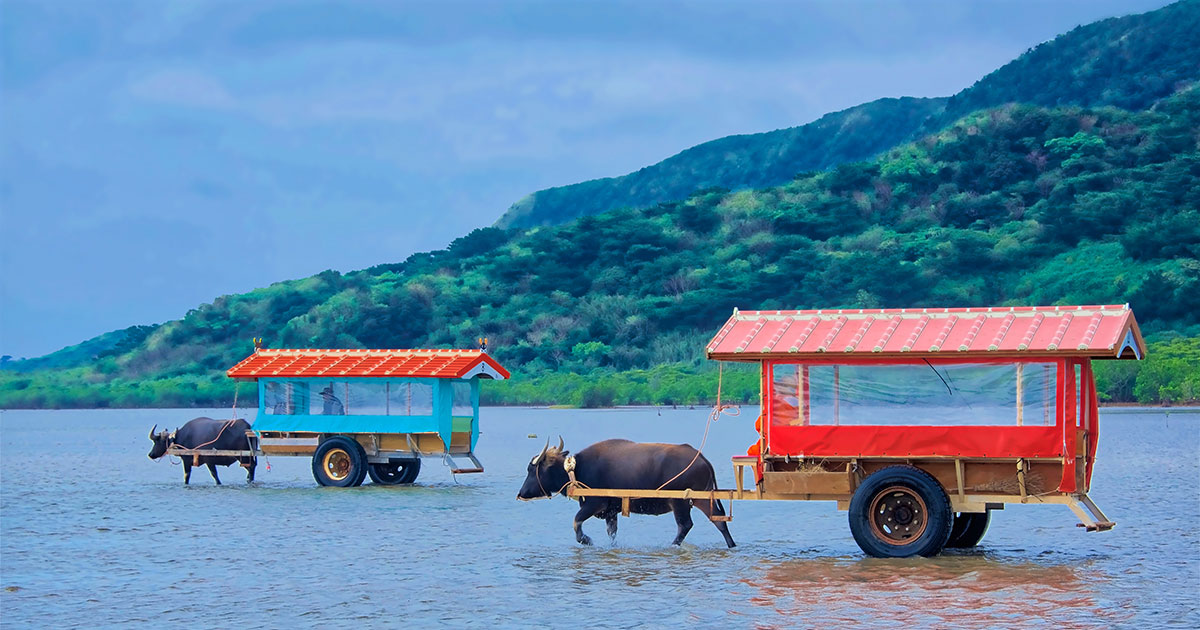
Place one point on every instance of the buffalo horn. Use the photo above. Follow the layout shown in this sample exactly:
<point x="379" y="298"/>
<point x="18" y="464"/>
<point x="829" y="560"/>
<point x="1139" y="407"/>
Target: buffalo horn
<point x="152" y="431"/>
<point x="543" y="453"/>
<point x="560" y="444"/>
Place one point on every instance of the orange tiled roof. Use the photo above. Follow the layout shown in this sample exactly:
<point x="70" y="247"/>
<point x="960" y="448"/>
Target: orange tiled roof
<point x="1089" y="331"/>
<point x="363" y="363"/>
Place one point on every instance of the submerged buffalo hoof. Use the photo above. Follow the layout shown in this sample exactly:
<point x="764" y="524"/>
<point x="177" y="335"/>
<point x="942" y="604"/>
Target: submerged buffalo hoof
<point x="585" y="540"/>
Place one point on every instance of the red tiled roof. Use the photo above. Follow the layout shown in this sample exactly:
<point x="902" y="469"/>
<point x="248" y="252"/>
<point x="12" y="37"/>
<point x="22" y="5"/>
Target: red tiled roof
<point x="363" y="363"/>
<point x="1089" y="331"/>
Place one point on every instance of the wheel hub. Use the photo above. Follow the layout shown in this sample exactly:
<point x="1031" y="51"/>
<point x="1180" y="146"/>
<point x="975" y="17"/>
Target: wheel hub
<point x="898" y="515"/>
<point x="337" y="464"/>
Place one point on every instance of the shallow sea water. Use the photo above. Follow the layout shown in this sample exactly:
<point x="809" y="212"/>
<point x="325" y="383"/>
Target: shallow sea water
<point x="94" y="534"/>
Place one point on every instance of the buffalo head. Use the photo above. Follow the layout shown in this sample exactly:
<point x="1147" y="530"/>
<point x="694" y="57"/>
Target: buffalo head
<point x="162" y="441"/>
<point x="546" y="474"/>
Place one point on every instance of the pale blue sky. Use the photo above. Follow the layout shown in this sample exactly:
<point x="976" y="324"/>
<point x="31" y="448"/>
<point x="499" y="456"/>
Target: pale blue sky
<point x="158" y="154"/>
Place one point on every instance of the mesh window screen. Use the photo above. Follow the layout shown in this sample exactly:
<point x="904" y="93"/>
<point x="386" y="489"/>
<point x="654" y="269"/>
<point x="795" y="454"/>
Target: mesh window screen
<point x="919" y="394"/>
<point x="410" y="399"/>
<point x="462" y="399"/>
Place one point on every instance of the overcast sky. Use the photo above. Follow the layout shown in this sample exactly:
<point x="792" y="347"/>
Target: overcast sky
<point x="158" y="154"/>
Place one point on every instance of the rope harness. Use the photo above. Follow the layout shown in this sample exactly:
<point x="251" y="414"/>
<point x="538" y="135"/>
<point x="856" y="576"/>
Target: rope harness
<point x="572" y="482"/>
<point x="225" y="425"/>
<point x="569" y="466"/>
<point x="196" y="456"/>
<point x="718" y="409"/>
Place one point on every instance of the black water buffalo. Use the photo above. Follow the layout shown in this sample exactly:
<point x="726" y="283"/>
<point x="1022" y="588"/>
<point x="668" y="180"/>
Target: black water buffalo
<point x="221" y="435"/>
<point x="628" y="465"/>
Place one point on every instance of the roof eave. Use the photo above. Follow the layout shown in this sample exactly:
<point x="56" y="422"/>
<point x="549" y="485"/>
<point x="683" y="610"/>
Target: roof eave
<point x="863" y="357"/>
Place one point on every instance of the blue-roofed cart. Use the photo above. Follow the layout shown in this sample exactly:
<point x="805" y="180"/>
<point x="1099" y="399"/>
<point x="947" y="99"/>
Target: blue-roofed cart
<point x="369" y="412"/>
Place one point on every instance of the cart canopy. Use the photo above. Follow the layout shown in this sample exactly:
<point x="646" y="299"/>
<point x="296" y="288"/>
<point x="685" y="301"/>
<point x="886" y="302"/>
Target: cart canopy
<point x="968" y="334"/>
<point x="454" y="364"/>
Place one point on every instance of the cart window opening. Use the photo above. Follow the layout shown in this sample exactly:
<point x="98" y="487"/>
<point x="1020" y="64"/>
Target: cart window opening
<point x="366" y="398"/>
<point x="1079" y="395"/>
<point x="462" y="399"/>
<point x="914" y="394"/>
<point x="355" y="398"/>
<point x="297" y="396"/>
<point x="327" y="398"/>
<point x="410" y="399"/>
<point x="276" y="400"/>
<point x="787" y="394"/>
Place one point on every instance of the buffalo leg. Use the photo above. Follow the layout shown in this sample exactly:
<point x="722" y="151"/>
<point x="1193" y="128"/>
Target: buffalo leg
<point x="610" y="520"/>
<point x="187" y="471"/>
<point x="714" y="507"/>
<point x="683" y="518"/>
<point x="250" y="470"/>
<point x="588" y="508"/>
<point x="212" y="468"/>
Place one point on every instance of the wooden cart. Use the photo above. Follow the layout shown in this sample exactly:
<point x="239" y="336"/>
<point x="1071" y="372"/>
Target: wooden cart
<point x="366" y="412"/>
<point x="921" y="422"/>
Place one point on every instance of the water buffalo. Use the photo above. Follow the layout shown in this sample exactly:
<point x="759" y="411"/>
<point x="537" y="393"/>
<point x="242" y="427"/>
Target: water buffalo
<point x="221" y="435"/>
<point x="630" y="465"/>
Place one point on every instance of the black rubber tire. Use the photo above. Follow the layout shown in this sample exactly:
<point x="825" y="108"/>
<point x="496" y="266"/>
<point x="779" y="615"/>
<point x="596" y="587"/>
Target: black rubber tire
<point x="395" y="472"/>
<point x="914" y="486"/>
<point x="350" y="465"/>
<point x="968" y="529"/>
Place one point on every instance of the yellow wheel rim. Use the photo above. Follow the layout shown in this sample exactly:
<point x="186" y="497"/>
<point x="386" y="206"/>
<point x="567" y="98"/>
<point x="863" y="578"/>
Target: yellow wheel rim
<point x="337" y="464"/>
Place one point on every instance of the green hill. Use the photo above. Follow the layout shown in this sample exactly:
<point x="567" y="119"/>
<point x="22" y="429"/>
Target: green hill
<point x="1128" y="62"/>
<point x="743" y="161"/>
<point x="108" y="344"/>
<point x="1012" y="205"/>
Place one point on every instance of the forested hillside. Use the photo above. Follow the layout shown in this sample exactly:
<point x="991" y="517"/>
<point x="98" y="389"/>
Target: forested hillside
<point x="744" y="161"/>
<point x="1128" y="62"/>
<point x="1018" y="204"/>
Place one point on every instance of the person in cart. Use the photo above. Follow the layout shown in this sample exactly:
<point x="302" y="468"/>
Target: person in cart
<point x="332" y="405"/>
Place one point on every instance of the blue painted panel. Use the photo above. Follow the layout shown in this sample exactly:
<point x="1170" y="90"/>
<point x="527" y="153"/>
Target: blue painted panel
<point x="347" y="424"/>
<point x="443" y="402"/>
<point x="475" y="412"/>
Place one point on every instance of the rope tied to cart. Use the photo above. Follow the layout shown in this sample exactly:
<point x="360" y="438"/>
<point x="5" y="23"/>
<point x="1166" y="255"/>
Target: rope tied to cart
<point x="718" y="409"/>
<point x="224" y="425"/>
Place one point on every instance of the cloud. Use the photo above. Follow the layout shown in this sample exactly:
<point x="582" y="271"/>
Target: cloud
<point x="146" y="127"/>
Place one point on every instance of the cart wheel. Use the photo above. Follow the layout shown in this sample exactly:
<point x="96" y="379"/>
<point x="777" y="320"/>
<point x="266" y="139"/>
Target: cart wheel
<point x="968" y="529"/>
<point x="339" y="461"/>
<point x="900" y="511"/>
<point x="396" y="471"/>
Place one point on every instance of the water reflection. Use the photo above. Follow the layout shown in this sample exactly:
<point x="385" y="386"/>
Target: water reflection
<point x="970" y="590"/>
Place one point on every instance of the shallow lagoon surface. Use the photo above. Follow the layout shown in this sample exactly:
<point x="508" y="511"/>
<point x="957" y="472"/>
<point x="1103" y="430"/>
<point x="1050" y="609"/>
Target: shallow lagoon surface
<point x="94" y="534"/>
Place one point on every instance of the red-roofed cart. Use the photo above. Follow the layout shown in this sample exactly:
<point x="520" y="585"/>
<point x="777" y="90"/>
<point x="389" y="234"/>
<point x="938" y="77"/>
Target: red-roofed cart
<point x="369" y="412"/>
<point x="920" y="422"/>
